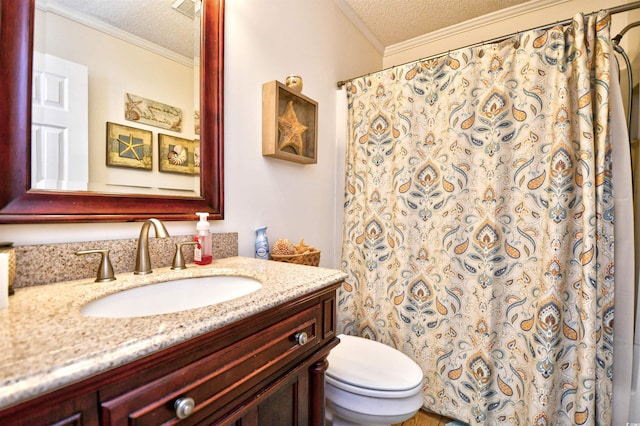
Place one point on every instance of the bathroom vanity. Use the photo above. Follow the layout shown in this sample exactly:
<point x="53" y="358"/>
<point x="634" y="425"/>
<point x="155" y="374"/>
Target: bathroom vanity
<point x="257" y="359"/>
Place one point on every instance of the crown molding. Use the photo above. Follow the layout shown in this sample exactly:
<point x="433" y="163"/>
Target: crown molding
<point x="98" y="25"/>
<point x="471" y="24"/>
<point x="355" y="20"/>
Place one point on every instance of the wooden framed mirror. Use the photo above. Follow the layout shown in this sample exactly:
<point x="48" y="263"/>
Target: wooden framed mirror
<point x="21" y="204"/>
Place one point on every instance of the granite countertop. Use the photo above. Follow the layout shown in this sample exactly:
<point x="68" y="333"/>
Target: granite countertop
<point x="47" y="343"/>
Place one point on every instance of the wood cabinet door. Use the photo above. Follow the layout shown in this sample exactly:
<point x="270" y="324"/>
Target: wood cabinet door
<point x="288" y="403"/>
<point x="295" y="399"/>
<point x="76" y="411"/>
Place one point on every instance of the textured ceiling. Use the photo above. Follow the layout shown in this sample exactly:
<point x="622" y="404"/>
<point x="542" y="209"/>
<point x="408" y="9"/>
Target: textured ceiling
<point x="389" y="21"/>
<point x="395" y="21"/>
<point x="153" y="20"/>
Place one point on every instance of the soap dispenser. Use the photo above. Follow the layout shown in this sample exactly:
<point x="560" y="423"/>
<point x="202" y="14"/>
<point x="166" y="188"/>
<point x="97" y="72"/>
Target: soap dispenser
<point x="202" y="253"/>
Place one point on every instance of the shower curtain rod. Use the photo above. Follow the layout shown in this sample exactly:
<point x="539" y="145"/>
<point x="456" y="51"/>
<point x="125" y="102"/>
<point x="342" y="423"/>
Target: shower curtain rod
<point x="617" y="9"/>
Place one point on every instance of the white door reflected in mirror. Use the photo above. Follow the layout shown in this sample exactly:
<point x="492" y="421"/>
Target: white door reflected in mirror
<point x="59" y="124"/>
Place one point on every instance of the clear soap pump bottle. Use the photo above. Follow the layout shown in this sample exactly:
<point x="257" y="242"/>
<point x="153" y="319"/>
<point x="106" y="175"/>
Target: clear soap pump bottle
<point x="202" y="253"/>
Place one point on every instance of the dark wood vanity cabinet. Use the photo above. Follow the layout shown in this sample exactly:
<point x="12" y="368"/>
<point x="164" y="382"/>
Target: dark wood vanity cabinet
<point x="56" y="409"/>
<point x="267" y="369"/>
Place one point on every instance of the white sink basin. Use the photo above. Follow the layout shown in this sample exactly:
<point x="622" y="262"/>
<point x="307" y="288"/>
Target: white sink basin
<point x="170" y="296"/>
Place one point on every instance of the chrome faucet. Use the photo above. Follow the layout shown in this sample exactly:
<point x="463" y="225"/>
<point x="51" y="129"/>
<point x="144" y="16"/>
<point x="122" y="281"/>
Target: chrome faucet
<point x="143" y="261"/>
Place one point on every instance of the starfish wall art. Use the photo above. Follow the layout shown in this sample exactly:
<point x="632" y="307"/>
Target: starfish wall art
<point x="289" y="124"/>
<point x="128" y="147"/>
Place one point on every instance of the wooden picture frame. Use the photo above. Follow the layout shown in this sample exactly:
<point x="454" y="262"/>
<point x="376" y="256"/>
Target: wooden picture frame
<point x="196" y="157"/>
<point x="289" y="124"/>
<point x="153" y="113"/>
<point x="129" y="147"/>
<point x="178" y="155"/>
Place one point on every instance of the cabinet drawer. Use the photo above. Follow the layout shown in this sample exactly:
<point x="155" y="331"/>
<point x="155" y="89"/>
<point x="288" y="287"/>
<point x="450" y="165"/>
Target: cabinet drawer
<point x="219" y="381"/>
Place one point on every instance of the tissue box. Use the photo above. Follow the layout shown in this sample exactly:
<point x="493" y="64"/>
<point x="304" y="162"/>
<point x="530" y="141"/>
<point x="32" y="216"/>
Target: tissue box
<point x="4" y="280"/>
<point x="8" y="248"/>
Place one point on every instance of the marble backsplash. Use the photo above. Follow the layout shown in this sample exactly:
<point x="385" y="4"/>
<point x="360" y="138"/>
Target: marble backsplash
<point x="51" y="263"/>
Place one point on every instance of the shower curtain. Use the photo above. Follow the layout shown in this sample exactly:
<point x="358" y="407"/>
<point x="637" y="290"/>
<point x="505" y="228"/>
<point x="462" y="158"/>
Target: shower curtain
<point x="478" y="225"/>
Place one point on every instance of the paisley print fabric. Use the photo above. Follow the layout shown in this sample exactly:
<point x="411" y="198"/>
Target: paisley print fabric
<point x="478" y="230"/>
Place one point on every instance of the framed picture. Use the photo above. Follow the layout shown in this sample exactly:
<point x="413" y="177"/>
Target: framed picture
<point x="128" y="147"/>
<point x="153" y="113"/>
<point x="289" y="124"/>
<point x="196" y="157"/>
<point x="178" y="155"/>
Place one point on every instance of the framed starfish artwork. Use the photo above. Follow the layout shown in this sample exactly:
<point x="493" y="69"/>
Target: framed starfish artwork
<point x="289" y="124"/>
<point x="129" y="147"/>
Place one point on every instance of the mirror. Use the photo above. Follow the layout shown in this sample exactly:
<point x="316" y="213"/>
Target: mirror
<point x="132" y="68"/>
<point x="20" y="204"/>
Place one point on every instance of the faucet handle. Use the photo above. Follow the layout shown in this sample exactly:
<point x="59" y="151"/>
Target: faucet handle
<point x="105" y="270"/>
<point x="178" y="258"/>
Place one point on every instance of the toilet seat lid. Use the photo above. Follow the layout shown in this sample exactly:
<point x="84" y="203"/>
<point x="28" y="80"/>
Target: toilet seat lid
<point x="368" y="364"/>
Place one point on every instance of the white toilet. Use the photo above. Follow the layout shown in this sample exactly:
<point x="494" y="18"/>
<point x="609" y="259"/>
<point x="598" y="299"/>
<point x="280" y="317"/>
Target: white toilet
<point x="370" y="383"/>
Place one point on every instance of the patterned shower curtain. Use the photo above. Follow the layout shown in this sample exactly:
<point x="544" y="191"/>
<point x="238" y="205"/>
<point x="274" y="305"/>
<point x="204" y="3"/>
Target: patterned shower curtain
<point x="478" y="227"/>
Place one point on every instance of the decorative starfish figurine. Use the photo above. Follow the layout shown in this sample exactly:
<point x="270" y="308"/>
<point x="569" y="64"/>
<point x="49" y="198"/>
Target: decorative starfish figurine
<point x="129" y="146"/>
<point x="291" y="130"/>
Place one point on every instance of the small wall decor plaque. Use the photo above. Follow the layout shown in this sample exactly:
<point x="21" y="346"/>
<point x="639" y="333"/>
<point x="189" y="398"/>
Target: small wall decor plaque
<point x="196" y="156"/>
<point x="128" y="147"/>
<point x="289" y="124"/>
<point x="178" y="155"/>
<point x="146" y="111"/>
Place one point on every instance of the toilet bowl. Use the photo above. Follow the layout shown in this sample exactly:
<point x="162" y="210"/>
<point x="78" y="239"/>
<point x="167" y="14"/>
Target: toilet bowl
<point x="370" y="383"/>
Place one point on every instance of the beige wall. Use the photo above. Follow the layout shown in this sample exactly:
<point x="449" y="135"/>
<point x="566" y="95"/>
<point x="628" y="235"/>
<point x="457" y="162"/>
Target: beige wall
<point x="267" y="41"/>
<point x="264" y="41"/>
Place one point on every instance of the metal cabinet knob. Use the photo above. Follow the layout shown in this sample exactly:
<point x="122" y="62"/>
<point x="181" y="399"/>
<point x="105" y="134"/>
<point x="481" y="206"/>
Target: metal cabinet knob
<point x="184" y="407"/>
<point x="301" y="337"/>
